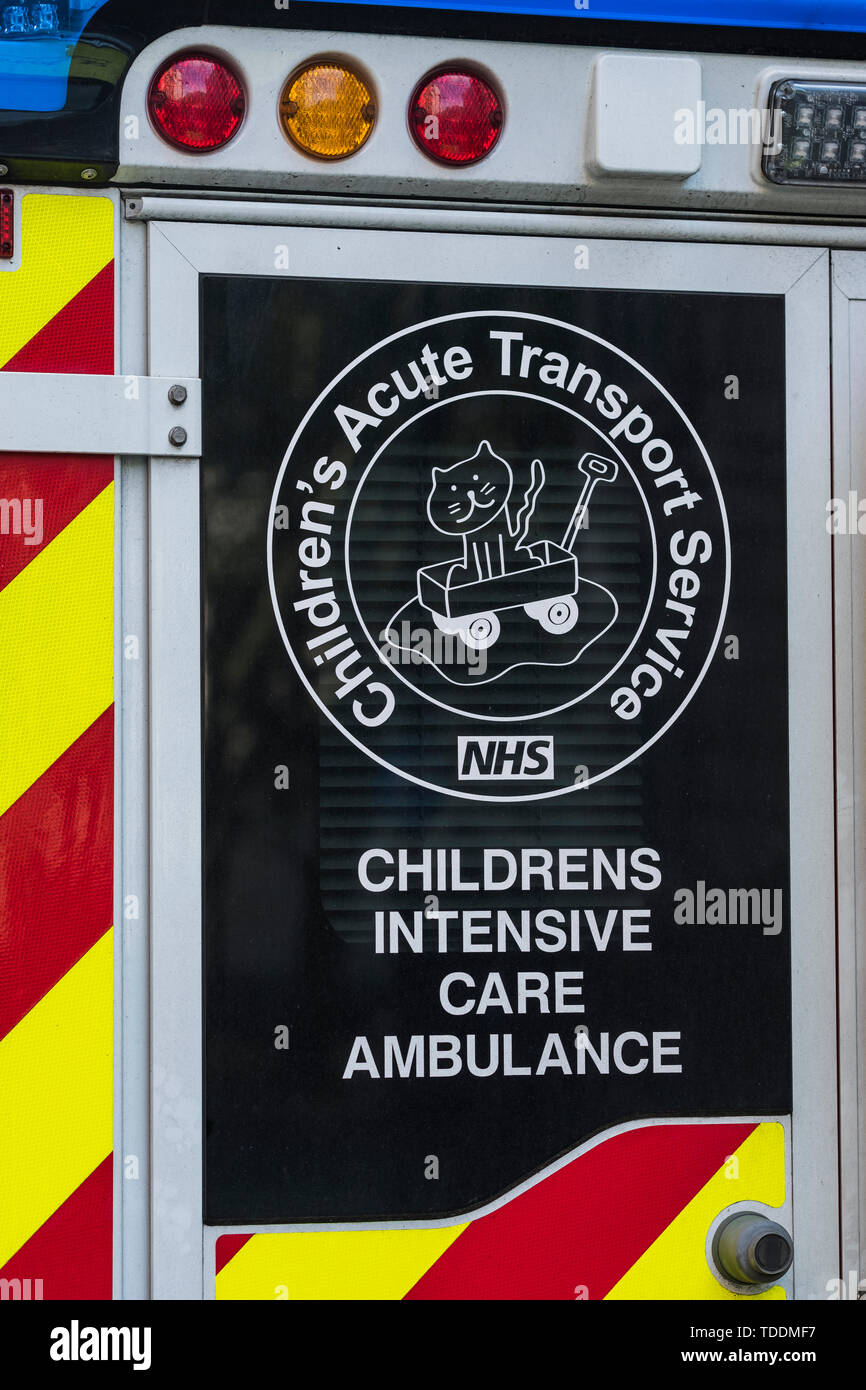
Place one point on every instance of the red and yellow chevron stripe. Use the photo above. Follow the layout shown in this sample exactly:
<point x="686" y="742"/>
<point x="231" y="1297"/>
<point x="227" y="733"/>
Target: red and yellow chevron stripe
<point x="57" y="777"/>
<point x="626" y="1219"/>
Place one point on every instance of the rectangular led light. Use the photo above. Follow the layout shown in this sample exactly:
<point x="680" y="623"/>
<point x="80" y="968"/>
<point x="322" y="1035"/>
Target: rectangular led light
<point x="820" y="133"/>
<point x="7" y="224"/>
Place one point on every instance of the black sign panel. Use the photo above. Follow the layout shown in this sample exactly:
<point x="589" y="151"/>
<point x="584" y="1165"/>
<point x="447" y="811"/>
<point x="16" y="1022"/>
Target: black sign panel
<point x="495" y="696"/>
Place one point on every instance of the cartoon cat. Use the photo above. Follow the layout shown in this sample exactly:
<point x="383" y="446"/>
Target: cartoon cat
<point x="472" y="499"/>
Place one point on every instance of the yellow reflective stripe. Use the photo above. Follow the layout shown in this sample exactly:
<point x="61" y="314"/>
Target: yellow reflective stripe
<point x="333" y="1265"/>
<point x="56" y="647"/>
<point x="675" y="1265"/>
<point x="56" y="1085"/>
<point x="65" y="241"/>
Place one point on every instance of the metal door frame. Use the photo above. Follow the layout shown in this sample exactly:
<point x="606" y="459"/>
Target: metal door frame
<point x="849" y="475"/>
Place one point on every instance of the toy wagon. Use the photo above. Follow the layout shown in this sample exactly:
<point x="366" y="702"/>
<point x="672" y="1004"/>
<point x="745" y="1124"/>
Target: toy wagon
<point x="546" y="592"/>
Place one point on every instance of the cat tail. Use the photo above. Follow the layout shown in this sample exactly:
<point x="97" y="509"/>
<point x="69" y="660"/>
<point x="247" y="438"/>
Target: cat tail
<point x="524" y="516"/>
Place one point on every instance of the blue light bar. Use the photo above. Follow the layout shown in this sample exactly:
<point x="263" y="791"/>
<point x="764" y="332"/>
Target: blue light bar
<point x="37" y="37"/>
<point x="848" y="16"/>
<point x="36" y="42"/>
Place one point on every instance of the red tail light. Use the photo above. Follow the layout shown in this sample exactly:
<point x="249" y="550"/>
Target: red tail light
<point x="455" y="117"/>
<point x="196" y="102"/>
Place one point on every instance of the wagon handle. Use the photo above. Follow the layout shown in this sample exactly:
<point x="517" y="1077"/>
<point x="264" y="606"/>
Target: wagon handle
<point x="595" y="469"/>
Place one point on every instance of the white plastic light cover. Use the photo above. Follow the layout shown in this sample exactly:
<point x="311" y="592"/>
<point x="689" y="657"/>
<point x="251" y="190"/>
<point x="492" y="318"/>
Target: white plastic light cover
<point x="637" y="124"/>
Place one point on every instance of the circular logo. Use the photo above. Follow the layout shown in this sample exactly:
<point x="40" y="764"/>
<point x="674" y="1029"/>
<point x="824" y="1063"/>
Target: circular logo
<point x="498" y="556"/>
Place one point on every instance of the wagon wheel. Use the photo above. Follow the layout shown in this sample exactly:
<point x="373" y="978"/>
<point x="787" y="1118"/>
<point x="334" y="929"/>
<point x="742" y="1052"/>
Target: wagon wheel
<point x="481" y="632"/>
<point x="478" y="632"/>
<point x="451" y="626"/>
<point x="554" y="615"/>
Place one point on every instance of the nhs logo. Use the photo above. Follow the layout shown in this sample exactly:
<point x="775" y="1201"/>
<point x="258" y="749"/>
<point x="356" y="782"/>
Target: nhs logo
<point x="504" y="759"/>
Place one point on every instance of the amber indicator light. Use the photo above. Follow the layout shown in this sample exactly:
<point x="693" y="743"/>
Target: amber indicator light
<point x="327" y="110"/>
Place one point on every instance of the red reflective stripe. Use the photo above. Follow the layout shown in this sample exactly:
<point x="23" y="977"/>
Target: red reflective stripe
<point x="56" y="848"/>
<point x="226" y="1249"/>
<point x="585" y="1225"/>
<point x="71" y="1253"/>
<point x="80" y="338"/>
<point x="63" y="486"/>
